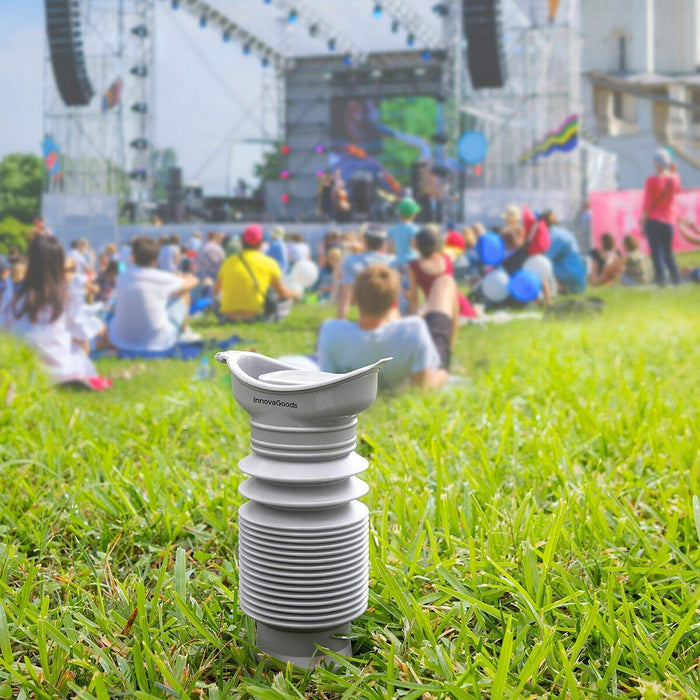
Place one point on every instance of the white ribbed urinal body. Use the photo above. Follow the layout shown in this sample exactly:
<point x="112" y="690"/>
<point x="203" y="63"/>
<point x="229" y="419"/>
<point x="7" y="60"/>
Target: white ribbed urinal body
<point x="303" y="535"/>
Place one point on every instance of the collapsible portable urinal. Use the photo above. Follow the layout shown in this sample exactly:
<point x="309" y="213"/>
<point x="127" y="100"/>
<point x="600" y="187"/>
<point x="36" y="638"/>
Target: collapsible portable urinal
<point x="303" y="536"/>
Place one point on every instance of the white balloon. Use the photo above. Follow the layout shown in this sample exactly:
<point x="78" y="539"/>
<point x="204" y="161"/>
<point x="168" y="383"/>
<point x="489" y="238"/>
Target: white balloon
<point x="495" y="285"/>
<point x="541" y="265"/>
<point x="304" y="273"/>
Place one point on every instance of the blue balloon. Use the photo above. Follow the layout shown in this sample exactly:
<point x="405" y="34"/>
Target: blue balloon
<point x="472" y="147"/>
<point x="491" y="248"/>
<point x="525" y="285"/>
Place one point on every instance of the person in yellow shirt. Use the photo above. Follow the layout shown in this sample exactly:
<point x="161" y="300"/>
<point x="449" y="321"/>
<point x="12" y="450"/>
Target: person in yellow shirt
<point x="244" y="279"/>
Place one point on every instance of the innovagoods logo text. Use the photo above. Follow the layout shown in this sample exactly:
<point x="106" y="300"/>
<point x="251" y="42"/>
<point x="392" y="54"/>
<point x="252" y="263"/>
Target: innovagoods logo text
<point x="275" y="402"/>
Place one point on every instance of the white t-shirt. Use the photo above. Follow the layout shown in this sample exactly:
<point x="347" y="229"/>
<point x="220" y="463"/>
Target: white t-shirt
<point x="140" y="322"/>
<point x="343" y="346"/>
<point x="53" y="340"/>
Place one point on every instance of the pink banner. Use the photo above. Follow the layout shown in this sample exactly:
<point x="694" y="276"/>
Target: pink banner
<point x="619" y="211"/>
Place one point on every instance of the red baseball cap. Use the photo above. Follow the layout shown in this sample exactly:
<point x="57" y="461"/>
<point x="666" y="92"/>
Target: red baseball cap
<point x="253" y="235"/>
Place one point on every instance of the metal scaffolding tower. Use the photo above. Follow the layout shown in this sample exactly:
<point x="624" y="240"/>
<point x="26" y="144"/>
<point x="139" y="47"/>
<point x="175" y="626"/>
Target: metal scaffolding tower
<point x="106" y="146"/>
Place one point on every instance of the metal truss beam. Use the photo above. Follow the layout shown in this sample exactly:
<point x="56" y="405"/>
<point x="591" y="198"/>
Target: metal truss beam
<point x="235" y="32"/>
<point x="321" y="28"/>
<point x="412" y="22"/>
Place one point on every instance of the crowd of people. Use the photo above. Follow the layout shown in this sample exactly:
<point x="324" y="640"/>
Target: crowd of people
<point x="406" y="280"/>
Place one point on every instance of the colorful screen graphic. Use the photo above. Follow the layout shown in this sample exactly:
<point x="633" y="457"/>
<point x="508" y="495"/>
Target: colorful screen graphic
<point x="382" y="137"/>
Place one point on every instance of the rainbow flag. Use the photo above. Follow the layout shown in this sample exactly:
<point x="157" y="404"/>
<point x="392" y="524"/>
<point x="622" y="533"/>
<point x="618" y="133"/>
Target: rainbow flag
<point x="564" y="139"/>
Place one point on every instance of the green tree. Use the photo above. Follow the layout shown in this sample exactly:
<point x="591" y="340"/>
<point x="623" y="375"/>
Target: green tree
<point x="13" y="234"/>
<point x="21" y="183"/>
<point x="271" y="166"/>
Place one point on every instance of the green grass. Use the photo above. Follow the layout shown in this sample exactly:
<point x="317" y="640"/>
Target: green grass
<point x="532" y="531"/>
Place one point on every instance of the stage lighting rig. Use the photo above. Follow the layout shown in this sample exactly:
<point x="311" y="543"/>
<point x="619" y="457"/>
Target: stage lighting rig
<point x="307" y="14"/>
<point x="209" y="16"/>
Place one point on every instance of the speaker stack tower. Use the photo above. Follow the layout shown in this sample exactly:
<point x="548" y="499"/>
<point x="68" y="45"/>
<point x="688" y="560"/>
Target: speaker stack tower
<point x="66" y="49"/>
<point x="483" y="28"/>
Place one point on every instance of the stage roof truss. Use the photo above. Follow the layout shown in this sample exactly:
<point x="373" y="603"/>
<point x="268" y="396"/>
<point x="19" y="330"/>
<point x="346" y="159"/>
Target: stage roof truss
<point x="413" y="23"/>
<point x="236" y="32"/>
<point x="325" y="29"/>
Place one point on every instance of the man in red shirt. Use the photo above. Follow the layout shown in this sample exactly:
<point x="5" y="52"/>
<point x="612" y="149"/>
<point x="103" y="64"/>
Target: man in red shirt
<point x="659" y="216"/>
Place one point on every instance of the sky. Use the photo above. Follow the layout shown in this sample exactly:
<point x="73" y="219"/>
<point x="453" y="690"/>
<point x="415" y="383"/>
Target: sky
<point x="207" y="91"/>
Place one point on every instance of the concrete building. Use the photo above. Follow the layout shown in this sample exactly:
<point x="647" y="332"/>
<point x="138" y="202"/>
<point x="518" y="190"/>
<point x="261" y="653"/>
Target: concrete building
<point x="640" y="62"/>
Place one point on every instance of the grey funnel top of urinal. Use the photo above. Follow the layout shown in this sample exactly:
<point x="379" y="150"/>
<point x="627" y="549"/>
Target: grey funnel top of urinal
<point x="300" y="414"/>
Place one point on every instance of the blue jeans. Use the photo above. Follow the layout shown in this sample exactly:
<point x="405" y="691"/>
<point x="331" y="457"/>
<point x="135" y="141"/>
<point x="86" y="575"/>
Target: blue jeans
<point x="660" y="237"/>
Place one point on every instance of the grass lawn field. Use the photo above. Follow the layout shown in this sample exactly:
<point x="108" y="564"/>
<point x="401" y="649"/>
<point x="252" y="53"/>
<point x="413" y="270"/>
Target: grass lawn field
<point x="534" y="531"/>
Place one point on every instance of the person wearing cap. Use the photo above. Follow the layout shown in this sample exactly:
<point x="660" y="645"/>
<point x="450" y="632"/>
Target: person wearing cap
<point x="401" y="236"/>
<point x="245" y="277"/>
<point x="421" y="346"/>
<point x="375" y="238"/>
<point x="659" y="216"/>
<point x="151" y="305"/>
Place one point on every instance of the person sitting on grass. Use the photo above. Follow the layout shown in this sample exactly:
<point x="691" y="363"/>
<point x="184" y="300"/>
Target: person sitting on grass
<point x="244" y="279"/>
<point x="151" y="305"/>
<point x="605" y="257"/>
<point x="375" y="252"/>
<point x="569" y="267"/>
<point x="431" y="265"/>
<point x="41" y="315"/>
<point x="421" y="346"/>
<point x="632" y="269"/>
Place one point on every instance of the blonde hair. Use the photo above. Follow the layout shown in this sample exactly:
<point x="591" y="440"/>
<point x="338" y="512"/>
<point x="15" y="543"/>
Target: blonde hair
<point x="470" y="237"/>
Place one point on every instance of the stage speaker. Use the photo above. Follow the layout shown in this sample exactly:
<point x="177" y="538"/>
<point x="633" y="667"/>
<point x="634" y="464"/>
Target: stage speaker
<point x="484" y="32"/>
<point x="66" y="50"/>
<point x="175" y="210"/>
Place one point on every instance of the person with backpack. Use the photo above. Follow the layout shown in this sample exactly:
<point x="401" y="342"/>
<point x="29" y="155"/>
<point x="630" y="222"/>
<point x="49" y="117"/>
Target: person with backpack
<point x="244" y="281"/>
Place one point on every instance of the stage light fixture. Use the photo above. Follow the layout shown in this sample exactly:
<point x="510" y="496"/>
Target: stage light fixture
<point x="285" y="150"/>
<point x="285" y="198"/>
<point x="139" y="71"/>
<point x="285" y="174"/>
<point x="141" y="31"/>
<point x="410" y="39"/>
<point x="441" y="9"/>
<point x="139" y="144"/>
<point x="247" y="49"/>
<point x="313" y="30"/>
<point x="175" y="4"/>
<point x="226" y="37"/>
<point x="347" y="59"/>
<point x="139" y="108"/>
<point x="292" y="17"/>
<point x="331" y="44"/>
<point x="425" y="55"/>
<point x="265" y="62"/>
<point x="377" y="11"/>
<point x="203" y="21"/>
<point x="395" y="26"/>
